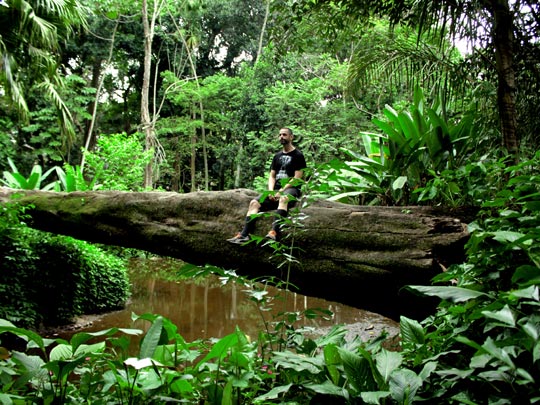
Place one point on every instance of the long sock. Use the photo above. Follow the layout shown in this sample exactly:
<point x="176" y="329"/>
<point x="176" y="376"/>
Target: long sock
<point x="249" y="226"/>
<point x="280" y="214"/>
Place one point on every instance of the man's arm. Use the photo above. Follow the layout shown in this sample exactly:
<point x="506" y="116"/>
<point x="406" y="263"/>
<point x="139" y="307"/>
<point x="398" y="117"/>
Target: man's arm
<point x="272" y="180"/>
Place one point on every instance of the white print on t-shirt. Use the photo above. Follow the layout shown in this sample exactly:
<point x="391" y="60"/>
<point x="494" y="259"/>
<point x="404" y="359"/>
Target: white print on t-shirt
<point x="284" y="162"/>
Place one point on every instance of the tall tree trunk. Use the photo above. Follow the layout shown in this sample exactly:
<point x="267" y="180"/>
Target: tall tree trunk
<point x="146" y="125"/>
<point x="503" y="37"/>
<point x="193" y="161"/>
<point x="263" y="30"/>
<point x="193" y="67"/>
<point x="238" y="171"/>
<point x="97" y="82"/>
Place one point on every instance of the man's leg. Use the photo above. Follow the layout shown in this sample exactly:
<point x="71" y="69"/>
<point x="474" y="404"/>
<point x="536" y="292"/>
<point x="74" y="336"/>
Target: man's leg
<point x="251" y="218"/>
<point x="287" y="200"/>
<point x="249" y="225"/>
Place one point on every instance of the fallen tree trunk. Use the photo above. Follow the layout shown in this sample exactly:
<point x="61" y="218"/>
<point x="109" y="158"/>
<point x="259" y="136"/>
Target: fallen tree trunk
<point x="357" y="255"/>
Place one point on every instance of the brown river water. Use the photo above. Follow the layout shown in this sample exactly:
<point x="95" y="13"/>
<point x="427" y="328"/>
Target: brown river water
<point x="205" y="308"/>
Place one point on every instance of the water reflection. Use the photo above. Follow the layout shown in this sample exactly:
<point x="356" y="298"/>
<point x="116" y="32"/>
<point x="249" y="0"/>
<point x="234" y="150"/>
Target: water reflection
<point x="204" y="308"/>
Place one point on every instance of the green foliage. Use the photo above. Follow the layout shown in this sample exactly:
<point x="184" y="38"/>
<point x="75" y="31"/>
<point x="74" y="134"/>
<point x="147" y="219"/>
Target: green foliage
<point x="399" y="165"/>
<point x="18" y="269"/>
<point x="30" y="35"/>
<point x="50" y="279"/>
<point x="71" y="178"/>
<point x="481" y="346"/>
<point x="229" y="370"/>
<point x="99" y="283"/>
<point x="118" y="162"/>
<point x="33" y="182"/>
<point x="484" y="339"/>
<point x="45" y="371"/>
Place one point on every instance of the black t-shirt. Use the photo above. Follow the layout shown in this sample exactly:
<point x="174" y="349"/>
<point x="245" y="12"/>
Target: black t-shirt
<point x="285" y="164"/>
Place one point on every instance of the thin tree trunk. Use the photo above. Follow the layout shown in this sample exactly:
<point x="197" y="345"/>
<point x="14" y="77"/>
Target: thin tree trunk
<point x="146" y="124"/>
<point x="201" y="107"/>
<point x="90" y="138"/>
<point x="238" y="170"/>
<point x="193" y="166"/>
<point x="263" y="30"/>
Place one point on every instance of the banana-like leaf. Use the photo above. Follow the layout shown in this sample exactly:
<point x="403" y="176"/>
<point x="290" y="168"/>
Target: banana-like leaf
<point x="34" y="181"/>
<point x="12" y="165"/>
<point x="15" y="180"/>
<point x="389" y="130"/>
<point x="151" y="339"/>
<point x="408" y="126"/>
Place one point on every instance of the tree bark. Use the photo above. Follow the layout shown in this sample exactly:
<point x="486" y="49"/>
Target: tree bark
<point x="357" y="255"/>
<point x="503" y="40"/>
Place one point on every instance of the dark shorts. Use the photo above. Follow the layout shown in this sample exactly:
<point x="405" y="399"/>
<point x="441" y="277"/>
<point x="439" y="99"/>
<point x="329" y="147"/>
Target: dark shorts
<point x="270" y="205"/>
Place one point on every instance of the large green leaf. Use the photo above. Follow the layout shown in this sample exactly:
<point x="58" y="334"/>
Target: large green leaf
<point x="15" y="180"/>
<point x="453" y="294"/>
<point x="404" y="384"/>
<point x="327" y="388"/>
<point x="505" y="316"/>
<point x="332" y="360"/>
<point x="151" y="339"/>
<point x="84" y="350"/>
<point x="220" y="348"/>
<point x="390" y="131"/>
<point x="374" y="397"/>
<point x="82" y="337"/>
<point x="409" y="127"/>
<point x="61" y="352"/>
<point x="399" y="183"/>
<point x="273" y="393"/>
<point x="358" y="371"/>
<point x="33" y="367"/>
<point x="387" y="362"/>
<point x="34" y="181"/>
<point x="298" y="363"/>
<point x="411" y="331"/>
<point x="27" y="335"/>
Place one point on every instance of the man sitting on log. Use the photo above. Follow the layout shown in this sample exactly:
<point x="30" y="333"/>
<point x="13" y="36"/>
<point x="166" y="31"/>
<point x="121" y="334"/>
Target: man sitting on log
<point x="286" y="171"/>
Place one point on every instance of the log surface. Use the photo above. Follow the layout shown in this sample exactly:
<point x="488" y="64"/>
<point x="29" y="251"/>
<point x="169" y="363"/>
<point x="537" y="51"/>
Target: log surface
<point x="342" y="252"/>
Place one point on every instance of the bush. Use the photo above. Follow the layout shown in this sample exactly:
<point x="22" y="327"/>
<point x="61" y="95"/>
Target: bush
<point x="78" y="278"/>
<point x="46" y="279"/>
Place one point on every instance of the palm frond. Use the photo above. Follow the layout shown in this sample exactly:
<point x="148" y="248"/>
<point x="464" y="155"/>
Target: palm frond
<point x="12" y="86"/>
<point x="64" y="115"/>
<point x="403" y="61"/>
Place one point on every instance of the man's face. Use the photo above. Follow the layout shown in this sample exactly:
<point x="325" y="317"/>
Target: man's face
<point x="284" y="137"/>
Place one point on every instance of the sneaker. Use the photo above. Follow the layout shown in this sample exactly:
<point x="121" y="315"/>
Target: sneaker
<point x="238" y="239"/>
<point x="272" y="235"/>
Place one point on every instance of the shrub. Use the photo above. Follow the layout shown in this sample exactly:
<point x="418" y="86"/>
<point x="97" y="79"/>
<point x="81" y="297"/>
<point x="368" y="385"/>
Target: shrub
<point x="50" y="279"/>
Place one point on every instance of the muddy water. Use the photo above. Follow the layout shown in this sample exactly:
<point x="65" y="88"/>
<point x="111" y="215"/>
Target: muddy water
<point x="204" y="307"/>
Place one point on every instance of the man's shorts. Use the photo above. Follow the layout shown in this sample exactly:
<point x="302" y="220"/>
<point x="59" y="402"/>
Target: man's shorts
<point x="270" y="205"/>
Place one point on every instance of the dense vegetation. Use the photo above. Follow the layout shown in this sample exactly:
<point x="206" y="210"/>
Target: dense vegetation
<point x="189" y="96"/>
<point x="49" y="280"/>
